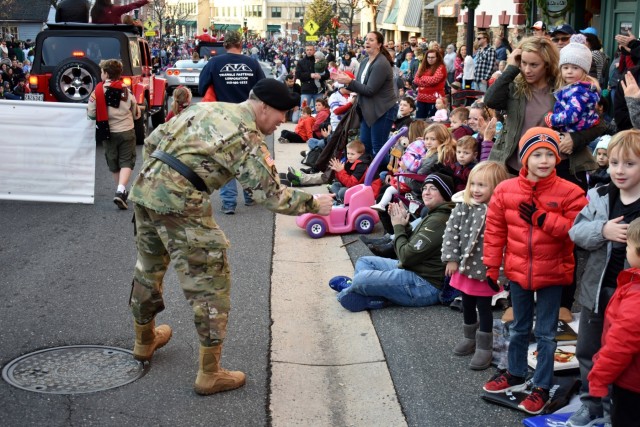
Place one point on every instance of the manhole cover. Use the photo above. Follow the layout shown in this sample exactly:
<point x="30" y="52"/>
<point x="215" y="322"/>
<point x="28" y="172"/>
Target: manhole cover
<point x="74" y="369"/>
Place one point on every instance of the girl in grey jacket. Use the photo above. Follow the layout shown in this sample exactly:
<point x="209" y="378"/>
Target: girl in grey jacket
<point x="462" y="252"/>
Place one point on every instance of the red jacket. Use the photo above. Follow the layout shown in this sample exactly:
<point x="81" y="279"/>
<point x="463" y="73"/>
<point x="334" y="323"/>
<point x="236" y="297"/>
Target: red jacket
<point x="113" y="14"/>
<point x="321" y="117"/>
<point x="534" y="257"/>
<point x="354" y="173"/>
<point x="304" y="128"/>
<point x="618" y="361"/>
<point x="431" y="84"/>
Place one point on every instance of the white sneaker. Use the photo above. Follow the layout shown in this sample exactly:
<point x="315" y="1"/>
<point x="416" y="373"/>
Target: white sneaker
<point x="378" y="207"/>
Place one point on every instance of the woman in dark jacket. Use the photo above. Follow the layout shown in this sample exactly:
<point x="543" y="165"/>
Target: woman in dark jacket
<point x="377" y="99"/>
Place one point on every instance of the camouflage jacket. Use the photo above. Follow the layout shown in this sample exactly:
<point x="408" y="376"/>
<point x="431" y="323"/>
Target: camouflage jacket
<point x="218" y="141"/>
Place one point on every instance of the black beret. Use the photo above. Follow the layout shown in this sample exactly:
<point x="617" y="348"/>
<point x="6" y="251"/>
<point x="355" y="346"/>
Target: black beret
<point x="276" y="94"/>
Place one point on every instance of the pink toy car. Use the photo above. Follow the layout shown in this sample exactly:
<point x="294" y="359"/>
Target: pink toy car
<point x="356" y="213"/>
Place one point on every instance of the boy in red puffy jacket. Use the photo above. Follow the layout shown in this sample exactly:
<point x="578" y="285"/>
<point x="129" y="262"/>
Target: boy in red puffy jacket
<point x="350" y="173"/>
<point x="528" y="224"/>
<point x="618" y="361"/>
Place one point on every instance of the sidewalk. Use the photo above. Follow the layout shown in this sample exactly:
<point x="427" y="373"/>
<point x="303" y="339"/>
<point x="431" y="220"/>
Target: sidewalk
<point x="328" y="367"/>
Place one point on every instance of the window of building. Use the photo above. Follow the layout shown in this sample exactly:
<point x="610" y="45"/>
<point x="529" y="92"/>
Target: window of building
<point x="299" y="12"/>
<point x="276" y="12"/>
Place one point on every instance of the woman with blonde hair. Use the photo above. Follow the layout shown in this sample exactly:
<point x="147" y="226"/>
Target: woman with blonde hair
<point x="525" y="91"/>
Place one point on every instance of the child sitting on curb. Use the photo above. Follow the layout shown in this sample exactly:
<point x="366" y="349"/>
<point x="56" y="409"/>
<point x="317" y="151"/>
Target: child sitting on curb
<point x="303" y="129"/>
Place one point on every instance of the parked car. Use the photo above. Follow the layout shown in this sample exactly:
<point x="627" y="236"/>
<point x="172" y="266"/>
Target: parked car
<point x="185" y="72"/>
<point x="66" y="67"/>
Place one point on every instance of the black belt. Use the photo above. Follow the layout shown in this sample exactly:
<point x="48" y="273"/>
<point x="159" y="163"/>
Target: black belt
<point x="181" y="168"/>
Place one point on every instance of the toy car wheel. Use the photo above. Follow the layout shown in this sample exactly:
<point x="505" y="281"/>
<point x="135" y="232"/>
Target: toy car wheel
<point x="141" y="126"/>
<point x="316" y="228"/>
<point x="159" y="117"/>
<point x="74" y="79"/>
<point x="364" y="224"/>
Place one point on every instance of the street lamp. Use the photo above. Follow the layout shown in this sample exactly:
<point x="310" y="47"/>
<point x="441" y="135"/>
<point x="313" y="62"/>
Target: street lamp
<point x="246" y="31"/>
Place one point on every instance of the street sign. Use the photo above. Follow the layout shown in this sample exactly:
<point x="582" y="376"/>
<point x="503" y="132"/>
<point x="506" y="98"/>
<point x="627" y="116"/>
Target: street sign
<point x="312" y="38"/>
<point x="150" y="25"/>
<point x="151" y="33"/>
<point x="311" y="27"/>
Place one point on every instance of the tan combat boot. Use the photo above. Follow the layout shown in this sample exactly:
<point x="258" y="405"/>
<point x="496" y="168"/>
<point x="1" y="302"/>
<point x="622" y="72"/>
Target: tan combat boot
<point x="211" y="377"/>
<point x="149" y="339"/>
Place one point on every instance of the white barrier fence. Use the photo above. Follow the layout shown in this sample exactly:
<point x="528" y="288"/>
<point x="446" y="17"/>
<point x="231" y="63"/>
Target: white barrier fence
<point x="47" y="152"/>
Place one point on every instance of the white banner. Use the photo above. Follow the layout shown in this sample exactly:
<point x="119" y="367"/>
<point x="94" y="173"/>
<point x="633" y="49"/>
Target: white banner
<point x="47" y="152"/>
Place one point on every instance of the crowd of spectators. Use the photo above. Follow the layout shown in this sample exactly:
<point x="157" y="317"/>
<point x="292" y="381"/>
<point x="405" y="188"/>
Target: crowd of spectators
<point x="15" y="65"/>
<point x="512" y="101"/>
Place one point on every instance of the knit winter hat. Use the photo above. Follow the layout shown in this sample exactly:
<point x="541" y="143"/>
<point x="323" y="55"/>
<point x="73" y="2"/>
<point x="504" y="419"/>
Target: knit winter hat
<point x="603" y="142"/>
<point x="538" y="137"/>
<point x="444" y="184"/>
<point x="576" y="53"/>
<point x="319" y="55"/>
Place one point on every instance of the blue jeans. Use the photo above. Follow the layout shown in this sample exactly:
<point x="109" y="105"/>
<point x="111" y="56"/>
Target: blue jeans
<point x="315" y="142"/>
<point x="381" y="277"/>
<point x="229" y="194"/>
<point x="374" y="137"/>
<point x="311" y="100"/>
<point x="546" y="307"/>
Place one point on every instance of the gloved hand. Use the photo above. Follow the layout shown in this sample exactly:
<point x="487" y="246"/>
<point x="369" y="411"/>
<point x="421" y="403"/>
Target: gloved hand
<point x="531" y="214"/>
<point x="492" y="278"/>
<point x="547" y="119"/>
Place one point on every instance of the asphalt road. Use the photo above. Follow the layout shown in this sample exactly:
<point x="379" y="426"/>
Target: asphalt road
<point x="65" y="274"/>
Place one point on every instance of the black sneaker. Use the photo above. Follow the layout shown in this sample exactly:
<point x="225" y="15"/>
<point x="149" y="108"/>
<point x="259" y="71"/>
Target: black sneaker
<point x="120" y="199"/>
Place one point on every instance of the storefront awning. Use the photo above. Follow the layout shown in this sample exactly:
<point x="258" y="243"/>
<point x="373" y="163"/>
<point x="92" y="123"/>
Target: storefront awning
<point x="413" y="17"/>
<point x="393" y="14"/>
<point x="273" y="28"/>
<point x="186" y="23"/>
<point x="381" y="9"/>
<point x="226" y="27"/>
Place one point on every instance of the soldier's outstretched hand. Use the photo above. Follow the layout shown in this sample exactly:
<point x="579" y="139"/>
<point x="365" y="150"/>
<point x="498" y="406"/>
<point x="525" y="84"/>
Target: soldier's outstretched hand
<point x="325" y="201"/>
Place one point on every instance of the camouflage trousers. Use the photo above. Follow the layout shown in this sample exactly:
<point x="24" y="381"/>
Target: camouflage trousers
<point x="198" y="249"/>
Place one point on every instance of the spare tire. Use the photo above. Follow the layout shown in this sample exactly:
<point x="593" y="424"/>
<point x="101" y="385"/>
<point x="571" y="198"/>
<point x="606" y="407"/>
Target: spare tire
<point x="74" y="79"/>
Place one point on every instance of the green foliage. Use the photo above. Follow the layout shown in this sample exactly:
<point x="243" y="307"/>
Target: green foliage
<point x="471" y="4"/>
<point x="321" y="12"/>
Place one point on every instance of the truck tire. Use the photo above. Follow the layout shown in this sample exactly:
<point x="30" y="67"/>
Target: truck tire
<point x="74" y="79"/>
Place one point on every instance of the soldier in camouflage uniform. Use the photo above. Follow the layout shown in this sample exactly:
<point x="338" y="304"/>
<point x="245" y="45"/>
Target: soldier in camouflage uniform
<point x="217" y="141"/>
